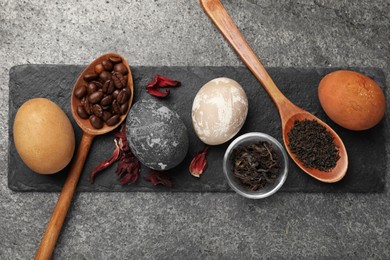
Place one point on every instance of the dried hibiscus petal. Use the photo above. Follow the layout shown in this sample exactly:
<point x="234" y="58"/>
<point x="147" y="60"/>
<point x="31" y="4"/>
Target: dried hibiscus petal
<point x="128" y="166"/>
<point x="162" y="82"/>
<point x="199" y="163"/>
<point x="157" y="93"/>
<point x="153" y="87"/>
<point x="158" y="177"/>
<point x="103" y="165"/>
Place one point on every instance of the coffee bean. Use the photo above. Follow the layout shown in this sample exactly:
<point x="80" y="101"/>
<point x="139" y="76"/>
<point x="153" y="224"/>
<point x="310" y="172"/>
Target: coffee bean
<point x="95" y="97"/>
<point x="115" y="93"/>
<point x="106" y="115"/>
<point x="91" y="88"/>
<point x="97" y="110"/>
<point x="117" y="82"/>
<point x="106" y="100"/>
<point x="120" y="77"/>
<point x="122" y="97"/>
<point x="99" y="68"/>
<point x="104" y="76"/>
<point x="80" y="92"/>
<point x="107" y="65"/>
<point x="115" y="59"/>
<point x="111" y="87"/>
<point x="88" y="108"/>
<point x="90" y="76"/>
<point x="87" y="105"/>
<point x="108" y="87"/>
<point x="121" y="68"/>
<point x="83" y="100"/>
<point x="96" y="122"/>
<point x="116" y="108"/>
<point x="113" y="120"/>
<point x="105" y="86"/>
<point x="124" y="107"/>
<point x="128" y="91"/>
<point x="81" y="112"/>
<point x="98" y="84"/>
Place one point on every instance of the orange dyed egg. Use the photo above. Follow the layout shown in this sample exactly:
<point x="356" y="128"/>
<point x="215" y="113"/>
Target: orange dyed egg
<point x="352" y="100"/>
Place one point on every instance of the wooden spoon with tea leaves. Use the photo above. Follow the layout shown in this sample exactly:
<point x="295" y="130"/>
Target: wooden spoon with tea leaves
<point x="54" y="226"/>
<point x="289" y="112"/>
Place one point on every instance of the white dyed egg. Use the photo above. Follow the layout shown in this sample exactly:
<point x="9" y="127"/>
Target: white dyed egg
<point x="219" y="110"/>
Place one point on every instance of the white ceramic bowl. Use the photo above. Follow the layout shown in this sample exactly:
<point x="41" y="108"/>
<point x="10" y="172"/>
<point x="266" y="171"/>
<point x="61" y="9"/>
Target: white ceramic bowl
<point x="235" y="183"/>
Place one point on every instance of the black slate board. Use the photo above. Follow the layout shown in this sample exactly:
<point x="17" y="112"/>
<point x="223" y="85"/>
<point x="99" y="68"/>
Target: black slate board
<point x="366" y="150"/>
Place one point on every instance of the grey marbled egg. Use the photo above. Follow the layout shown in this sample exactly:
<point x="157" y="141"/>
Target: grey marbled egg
<point x="157" y="135"/>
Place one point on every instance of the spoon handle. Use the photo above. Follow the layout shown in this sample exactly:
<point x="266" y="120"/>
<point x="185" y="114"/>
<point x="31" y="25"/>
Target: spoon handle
<point x="217" y="13"/>
<point x="54" y="226"/>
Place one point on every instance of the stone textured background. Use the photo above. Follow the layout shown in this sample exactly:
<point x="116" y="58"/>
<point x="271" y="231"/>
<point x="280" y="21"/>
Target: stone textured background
<point x="194" y="225"/>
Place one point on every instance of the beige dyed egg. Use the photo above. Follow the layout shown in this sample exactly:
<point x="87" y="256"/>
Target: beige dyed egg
<point x="43" y="136"/>
<point x="219" y="111"/>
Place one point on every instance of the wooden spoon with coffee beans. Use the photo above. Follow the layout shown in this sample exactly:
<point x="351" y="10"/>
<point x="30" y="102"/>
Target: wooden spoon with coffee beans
<point x="100" y="102"/>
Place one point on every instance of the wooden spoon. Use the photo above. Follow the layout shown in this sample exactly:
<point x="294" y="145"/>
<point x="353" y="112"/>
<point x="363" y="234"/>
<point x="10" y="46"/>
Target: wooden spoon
<point x="287" y="110"/>
<point x="54" y="226"/>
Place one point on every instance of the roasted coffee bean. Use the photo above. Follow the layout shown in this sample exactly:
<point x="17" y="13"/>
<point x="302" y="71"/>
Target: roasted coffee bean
<point x="106" y="115"/>
<point x="117" y="82"/>
<point x="128" y="91"/>
<point x="97" y="110"/>
<point x="113" y="120"/>
<point x="107" y="65"/>
<point x="81" y="112"/>
<point x="98" y="84"/>
<point x="111" y="87"/>
<point x="91" y="88"/>
<point x="87" y="106"/>
<point x="115" y="59"/>
<point x="121" y="68"/>
<point x="122" y="97"/>
<point x="83" y="100"/>
<point x="105" y="86"/>
<point x="116" y="107"/>
<point x="80" y="92"/>
<point x="90" y="76"/>
<point x="106" y="108"/>
<point x="96" y="122"/>
<point x="99" y="68"/>
<point x="108" y="87"/>
<point x="107" y="100"/>
<point x="115" y="93"/>
<point x="121" y="78"/>
<point x="95" y="97"/>
<point x="104" y="76"/>
<point x="124" y="107"/>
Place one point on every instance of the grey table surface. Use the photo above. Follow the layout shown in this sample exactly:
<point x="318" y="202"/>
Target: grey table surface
<point x="194" y="225"/>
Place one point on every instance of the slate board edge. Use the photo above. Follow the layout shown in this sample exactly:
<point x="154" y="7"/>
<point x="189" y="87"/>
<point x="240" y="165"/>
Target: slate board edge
<point x="164" y="189"/>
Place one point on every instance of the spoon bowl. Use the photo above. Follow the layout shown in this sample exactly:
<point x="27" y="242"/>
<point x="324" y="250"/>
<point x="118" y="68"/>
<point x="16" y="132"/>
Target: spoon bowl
<point x="333" y="175"/>
<point x="287" y="110"/>
<point x="54" y="226"/>
<point x="84" y="124"/>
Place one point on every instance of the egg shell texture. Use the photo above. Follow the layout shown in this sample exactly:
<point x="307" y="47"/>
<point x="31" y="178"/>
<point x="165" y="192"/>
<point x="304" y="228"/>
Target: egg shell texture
<point x="157" y="136"/>
<point x="219" y="110"/>
<point x="44" y="136"/>
<point x="352" y="100"/>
